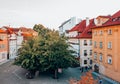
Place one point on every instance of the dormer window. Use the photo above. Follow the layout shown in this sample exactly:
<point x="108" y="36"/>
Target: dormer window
<point x="89" y="32"/>
<point x="119" y="18"/>
<point x="114" y="19"/>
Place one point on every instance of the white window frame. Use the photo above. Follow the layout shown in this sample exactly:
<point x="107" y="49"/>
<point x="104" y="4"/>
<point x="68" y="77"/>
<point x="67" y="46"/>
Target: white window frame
<point x="109" y="60"/>
<point x="85" y="52"/>
<point x="90" y="52"/>
<point x="90" y="42"/>
<point x="101" y="44"/>
<point x="85" y="42"/>
<point x="86" y="61"/>
<point x="109" y="45"/>
<point x="95" y="55"/>
<point x="101" y="57"/>
<point x="95" y="44"/>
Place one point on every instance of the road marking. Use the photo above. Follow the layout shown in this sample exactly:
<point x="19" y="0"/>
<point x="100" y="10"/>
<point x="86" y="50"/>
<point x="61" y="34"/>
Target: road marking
<point x="16" y="74"/>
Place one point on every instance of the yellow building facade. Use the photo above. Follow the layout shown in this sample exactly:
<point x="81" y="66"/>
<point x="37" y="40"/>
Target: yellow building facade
<point x="106" y="47"/>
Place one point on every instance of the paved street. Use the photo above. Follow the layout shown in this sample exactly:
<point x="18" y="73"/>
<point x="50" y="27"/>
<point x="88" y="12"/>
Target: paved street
<point x="11" y="74"/>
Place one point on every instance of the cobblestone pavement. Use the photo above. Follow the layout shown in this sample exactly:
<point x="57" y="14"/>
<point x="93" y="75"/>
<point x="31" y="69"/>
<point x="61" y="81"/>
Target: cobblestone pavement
<point x="11" y="74"/>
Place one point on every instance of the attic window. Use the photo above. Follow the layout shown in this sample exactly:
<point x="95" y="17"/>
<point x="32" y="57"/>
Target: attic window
<point x="114" y="19"/>
<point x="119" y="18"/>
<point x="89" y="32"/>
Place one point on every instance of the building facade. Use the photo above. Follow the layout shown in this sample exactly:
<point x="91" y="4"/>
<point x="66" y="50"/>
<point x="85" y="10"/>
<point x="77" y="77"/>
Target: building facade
<point x="86" y="45"/>
<point x="106" y="47"/>
<point x="67" y="25"/>
<point x="3" y="46"/>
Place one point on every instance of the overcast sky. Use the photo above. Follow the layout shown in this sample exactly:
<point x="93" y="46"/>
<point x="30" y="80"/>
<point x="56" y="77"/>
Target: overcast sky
<point x="51" y="13"/>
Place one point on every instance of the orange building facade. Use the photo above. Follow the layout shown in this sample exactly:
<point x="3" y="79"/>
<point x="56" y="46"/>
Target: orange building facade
<point x="106" y="47"/>
<point x="3" y="46"/>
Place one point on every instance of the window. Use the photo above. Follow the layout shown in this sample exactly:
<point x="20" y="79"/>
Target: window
<point x="109" y="60"/>
<point x="90" y="52"/>
<point x="90" y="42"/>
<point x="2" y="37"/>
<point x="90" y="61"/>
<point x="109" y="45"/>
<point x="95" y="56"/>
<point x="3" y="46"/>
<point x="95" y="33"/>
<point x="95" y="44"/>
<point x="101" y="44"/>
<point x="85" y="42"/>
<point x="85" y="61"/>
<point x="85" y="52"/>
<point x="114" y="19"/>
<point x="101" y="32"/>
<point x="100" y="58"/>
<point x="109" y="31"/>
<point x="3" y="55"/>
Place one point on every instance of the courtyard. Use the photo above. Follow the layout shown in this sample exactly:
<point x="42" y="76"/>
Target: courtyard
<point x="11" y="74"/>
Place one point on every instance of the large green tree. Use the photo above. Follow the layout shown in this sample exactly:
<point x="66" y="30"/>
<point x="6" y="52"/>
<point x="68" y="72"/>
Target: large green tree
<point x="48" y="51"/>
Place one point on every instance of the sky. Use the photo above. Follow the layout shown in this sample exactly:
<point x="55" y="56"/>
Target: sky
<point x="52" y="13"/>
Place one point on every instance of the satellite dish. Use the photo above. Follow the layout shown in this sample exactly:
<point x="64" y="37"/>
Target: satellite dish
<point x="95" y="21"/>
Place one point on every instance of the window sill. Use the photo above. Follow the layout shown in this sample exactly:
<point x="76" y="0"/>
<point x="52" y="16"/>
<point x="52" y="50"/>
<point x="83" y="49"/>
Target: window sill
<point x="110" y="48"/>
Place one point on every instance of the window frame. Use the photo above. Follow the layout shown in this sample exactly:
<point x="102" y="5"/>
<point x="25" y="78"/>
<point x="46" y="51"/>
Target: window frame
<point x="109" y="45"/>
<point x="109" y="31"/>
<point x="85" y="52"/>
<point x="95" y="56"/>
<point x="95" y="44"/>
<point x="85" y="61"/>
<point x="100" y="44"/>
<point x="90" y="42"/>
<point x="109" y="58"/>
<point x="101" y="57"/>
<point x="85" y="42"/>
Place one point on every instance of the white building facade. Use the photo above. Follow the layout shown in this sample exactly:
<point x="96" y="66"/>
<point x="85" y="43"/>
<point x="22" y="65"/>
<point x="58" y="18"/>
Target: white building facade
<point x="19" y="40"/>
<point x="85" y="52"/>
<point x="67" y="25"/>
<point x="12" y="46"/>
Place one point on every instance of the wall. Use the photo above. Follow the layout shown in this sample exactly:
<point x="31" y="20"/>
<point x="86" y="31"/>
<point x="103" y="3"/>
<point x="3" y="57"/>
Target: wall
<point x="3" y="51"/>
<point x="110" y="70"/>
<point x="83" y="47"/>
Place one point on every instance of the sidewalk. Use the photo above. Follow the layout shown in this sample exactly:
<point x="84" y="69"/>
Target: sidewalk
<point x="4" y="62"/>
<point x="106" y="78"/>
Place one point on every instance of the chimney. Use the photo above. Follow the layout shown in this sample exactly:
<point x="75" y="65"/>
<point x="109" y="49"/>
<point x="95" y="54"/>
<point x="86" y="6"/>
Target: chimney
<point x="87" y="21"/>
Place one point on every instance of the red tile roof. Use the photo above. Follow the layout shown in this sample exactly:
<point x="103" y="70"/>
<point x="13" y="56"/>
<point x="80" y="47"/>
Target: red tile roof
<point x="105" y="16"/>
<point x="113" y="20"/>
<point x="27" y="35"/>
<point x="79" y="27"/>
<point x="87" y="33"/>
<point x="2" y="31"/>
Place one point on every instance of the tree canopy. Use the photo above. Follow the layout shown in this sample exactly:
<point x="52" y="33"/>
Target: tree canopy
<point x="45" y="52"/>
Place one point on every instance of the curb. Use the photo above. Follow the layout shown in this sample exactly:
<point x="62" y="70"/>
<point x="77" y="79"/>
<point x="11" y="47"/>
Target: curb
<point x="107" y="79"/>
<point x="4" y="62"/>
